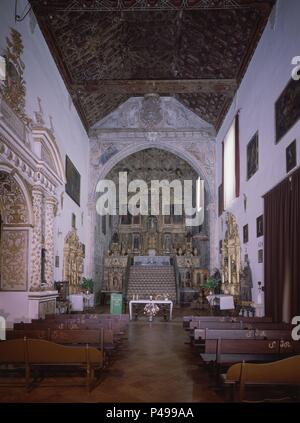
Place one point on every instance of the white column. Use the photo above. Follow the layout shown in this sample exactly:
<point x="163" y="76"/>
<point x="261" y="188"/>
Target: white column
<point x="50" y="206"/>
<point x="37" y="237"/>
<point x="91" y="240"/>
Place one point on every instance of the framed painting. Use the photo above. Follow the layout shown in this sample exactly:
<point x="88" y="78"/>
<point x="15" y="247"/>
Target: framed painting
<point x="103" y="224"/>
<point x="291" y="156"/>
<point x="73" y="221"/>
<point x="260" y="226"/>
<point x="287" y="109"/>
<point x="73" y="181"/>
<point x="245" y="234"/>
<point x="252" y="156"/>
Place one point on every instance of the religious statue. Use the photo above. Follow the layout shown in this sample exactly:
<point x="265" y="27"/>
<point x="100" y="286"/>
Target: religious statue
<point x="152" y="224"/>
<point x="115" y="238"/>
<point x="136" y="242"/>
<point x="246" y="283"/>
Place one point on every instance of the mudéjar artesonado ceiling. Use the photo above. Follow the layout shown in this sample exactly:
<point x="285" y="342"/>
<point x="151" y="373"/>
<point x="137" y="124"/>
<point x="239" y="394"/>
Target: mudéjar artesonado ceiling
<point x="194" y="50"/>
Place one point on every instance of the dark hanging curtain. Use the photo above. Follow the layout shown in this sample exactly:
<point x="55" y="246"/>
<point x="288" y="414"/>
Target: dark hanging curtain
<point x="237" y="155"/>
<point x="282" y="249"/>
<point x="295" y="244"/>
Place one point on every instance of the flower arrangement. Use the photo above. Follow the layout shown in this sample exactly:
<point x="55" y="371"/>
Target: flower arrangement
<point x="151" y="310"/>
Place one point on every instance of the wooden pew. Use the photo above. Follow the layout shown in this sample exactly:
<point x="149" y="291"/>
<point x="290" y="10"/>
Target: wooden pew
<point x="53" y="324"/>
<point x="102" y="339"/>
<point x="28" y="333"/>
<point x="37" y="353"/>
<point x="224" y="352"/>
<point x="285" y="372"/>
<point x="277" y="334"/>
<point x="187" y="319"/>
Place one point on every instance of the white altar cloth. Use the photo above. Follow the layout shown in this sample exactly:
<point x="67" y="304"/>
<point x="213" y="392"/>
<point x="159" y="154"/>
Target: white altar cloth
<point x="225" y="302"/>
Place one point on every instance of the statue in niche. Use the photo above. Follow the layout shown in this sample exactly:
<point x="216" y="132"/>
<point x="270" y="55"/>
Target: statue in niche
<point x="246" y="283"/>
<point x="136" y="242"/>
<point x="115" y="238"/>
<point x="168" y="242"/>
<point x="152" y="224"/>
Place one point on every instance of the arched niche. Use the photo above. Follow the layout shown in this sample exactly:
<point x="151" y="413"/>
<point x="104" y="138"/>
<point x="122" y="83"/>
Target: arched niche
<point x="105" y="170"/>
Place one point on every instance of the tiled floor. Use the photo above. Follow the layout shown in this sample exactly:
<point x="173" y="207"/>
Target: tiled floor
<point x="154" y="365"/>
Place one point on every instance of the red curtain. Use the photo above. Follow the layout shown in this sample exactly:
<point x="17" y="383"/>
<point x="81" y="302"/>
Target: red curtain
<point x="282" y="248"/>
<point x="237" y="155"/>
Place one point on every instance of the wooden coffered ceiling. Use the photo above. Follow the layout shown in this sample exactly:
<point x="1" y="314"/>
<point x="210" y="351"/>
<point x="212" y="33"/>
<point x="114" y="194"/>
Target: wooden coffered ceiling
<point x="194" y="50"/>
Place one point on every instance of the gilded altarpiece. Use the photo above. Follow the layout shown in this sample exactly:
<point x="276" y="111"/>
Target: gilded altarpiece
<point x="14" y="236"/>
<point x="114" y="273"/>
<point x="73" y="261"/>
<point x="231" y="258"/>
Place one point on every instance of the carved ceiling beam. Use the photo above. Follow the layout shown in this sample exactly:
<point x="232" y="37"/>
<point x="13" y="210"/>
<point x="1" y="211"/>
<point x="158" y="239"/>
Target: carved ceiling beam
<point x="52" y="6"/>
<point x="225" y="87"/>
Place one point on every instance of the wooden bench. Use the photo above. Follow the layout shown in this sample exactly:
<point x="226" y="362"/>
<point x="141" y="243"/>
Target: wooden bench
<point x="277" y="334"/>
<point x="229" y="351"/>
<point x="37" y="353"/>
<point x="103" y="339"/>
<point x="284" y="372"/>
<point x="187" y="319"/>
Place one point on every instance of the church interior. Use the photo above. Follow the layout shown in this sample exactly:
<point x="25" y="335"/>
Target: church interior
<point x="134" y="300"/>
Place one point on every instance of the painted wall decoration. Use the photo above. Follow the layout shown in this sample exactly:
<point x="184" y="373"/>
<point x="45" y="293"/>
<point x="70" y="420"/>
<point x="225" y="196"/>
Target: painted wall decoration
<point x="287" y="109"/>
<point x="73" y="181"/>
<point x="108" y="154"/>
<point x="291" y="156"/>
<point x="245" y="234"/>
<point x="260" y="256"/>
<point x="252" y="156"/>
<point x="260" y="226"/>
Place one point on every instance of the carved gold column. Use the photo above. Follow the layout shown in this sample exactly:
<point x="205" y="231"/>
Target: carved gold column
<point x="50" y="206"/>
<point x="37" y="237"/>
